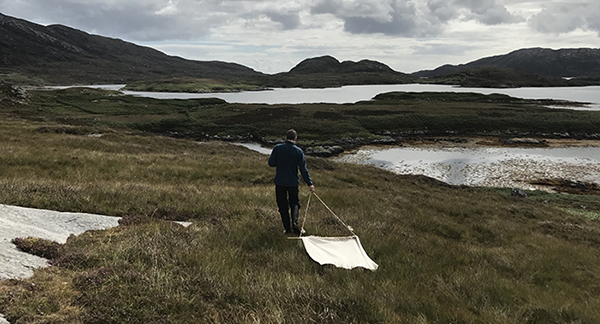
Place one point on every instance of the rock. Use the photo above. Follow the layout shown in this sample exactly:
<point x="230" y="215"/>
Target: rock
<point x="51" y="225"/>
<point x="350" y="142"/>
<point x="518" y="192"/>
<point x="527" y="141"/>
<point x="385" y="140"/>
<point x="324" y="151"/>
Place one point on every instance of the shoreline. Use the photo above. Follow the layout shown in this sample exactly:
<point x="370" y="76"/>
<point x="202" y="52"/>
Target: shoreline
<point x="490" y="162"/>
<point x="496" y="141"/>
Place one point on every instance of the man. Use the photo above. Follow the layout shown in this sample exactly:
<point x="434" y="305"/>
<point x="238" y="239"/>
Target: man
<point x="288" y="158"/>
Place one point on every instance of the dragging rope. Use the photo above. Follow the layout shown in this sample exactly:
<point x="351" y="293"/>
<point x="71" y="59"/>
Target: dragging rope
<point x="329" y="209"/>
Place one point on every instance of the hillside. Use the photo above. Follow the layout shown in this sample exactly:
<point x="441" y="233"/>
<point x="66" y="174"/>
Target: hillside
<point x="58" y="54"/>
<point x="496" y="77"/>
<point x="580" y="63"/>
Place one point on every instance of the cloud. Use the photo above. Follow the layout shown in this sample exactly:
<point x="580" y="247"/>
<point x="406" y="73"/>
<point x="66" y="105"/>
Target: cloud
<point x="389" y="17"/>
<point x="441" y="49"/>
<point x="488" y="12"/>
<point x="559" y="18"/>
<point x="155" y="20"/>
<point x="287" y="20"/>
<point x="412" y="18"/>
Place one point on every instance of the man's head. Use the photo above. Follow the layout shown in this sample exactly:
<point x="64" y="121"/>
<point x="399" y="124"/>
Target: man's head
<point x="291" y="135"/>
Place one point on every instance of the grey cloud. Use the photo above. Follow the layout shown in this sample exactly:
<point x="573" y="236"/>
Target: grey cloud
<point x="155" y="20"/>
<point x="488" y="12"/>
<point x="412" y="17"/>
<point x="388" y="17"/>
<point x="287" y="20"/>
<point x="441" y="10"/>
<point x="326" y="7"/>
<point x="564" y="18"/>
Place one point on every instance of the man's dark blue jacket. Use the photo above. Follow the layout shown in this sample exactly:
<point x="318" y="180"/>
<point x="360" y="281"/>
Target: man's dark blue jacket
<point x="288" y="158"/>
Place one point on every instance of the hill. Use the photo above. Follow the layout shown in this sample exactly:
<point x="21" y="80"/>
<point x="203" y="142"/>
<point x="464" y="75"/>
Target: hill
<point x="327" y="71"/>
<point x="58" y="54"/>
<point x="496" y="77"/>
<point x="578" y="63"/>
<point x="34" y="54"/>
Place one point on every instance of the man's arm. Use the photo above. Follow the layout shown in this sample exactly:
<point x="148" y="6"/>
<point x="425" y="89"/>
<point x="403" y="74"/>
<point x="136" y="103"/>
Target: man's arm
<point x="304" y="172"/>
<point x="273" y="158"/>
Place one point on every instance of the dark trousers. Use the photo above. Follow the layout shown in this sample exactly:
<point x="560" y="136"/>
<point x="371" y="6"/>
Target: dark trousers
<point x="287" y="200"/>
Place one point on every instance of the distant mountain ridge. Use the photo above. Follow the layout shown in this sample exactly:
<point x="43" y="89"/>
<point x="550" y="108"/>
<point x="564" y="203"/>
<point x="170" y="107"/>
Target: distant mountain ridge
<point x="62" y="54"/>
<point x="59" y="55"/>
<point x="578" y="62"/>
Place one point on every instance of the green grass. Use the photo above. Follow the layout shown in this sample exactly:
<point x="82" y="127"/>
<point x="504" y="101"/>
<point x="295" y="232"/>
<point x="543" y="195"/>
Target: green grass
<point x="446" y="254"/>
<point x="190" y="85"/>
<point x="397" y="113"/>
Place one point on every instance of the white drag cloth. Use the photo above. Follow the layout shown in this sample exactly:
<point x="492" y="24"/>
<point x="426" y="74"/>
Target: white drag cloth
<point x="343" y="252"/>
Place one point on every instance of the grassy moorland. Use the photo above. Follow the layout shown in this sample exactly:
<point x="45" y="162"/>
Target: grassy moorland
<point x="190" y="85"/>
<point x="399" y="114"/>
<point x="446" y="254"/>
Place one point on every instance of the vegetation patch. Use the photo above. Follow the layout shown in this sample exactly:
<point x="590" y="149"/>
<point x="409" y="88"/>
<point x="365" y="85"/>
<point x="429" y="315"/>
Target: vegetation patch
<point x="569" y="186"/>
<point x="37" y="246"/>
<point x="190" y="85"/>
<point x="447" y="254"/>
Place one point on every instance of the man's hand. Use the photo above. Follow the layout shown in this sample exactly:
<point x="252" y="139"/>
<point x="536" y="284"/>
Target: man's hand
<point x="312" y="188"/>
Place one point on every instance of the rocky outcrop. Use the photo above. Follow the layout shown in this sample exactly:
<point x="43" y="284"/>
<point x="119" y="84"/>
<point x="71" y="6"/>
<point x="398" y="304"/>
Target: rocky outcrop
<point x="11" y="95"/>
<point x="51" y="225"/>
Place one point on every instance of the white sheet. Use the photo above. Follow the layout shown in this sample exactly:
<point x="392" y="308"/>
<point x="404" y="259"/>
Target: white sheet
<point x="343" y="252"/>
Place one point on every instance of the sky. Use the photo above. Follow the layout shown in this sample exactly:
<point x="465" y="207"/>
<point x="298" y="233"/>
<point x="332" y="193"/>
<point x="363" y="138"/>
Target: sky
<point x="273" y="36"/>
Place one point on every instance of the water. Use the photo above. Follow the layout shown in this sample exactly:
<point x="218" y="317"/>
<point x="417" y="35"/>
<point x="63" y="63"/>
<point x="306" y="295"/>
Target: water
<point x="481" y="166"/>
<point x="352" y="94"/>
<point x="486" y="166"/>
<point x="496" y="167"/>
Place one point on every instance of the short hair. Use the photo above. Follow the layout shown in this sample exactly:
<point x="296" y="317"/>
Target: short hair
<point x="291" y="135"/>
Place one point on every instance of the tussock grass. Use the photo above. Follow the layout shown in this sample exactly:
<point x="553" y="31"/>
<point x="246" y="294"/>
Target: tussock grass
<point x="446" y="254"/>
